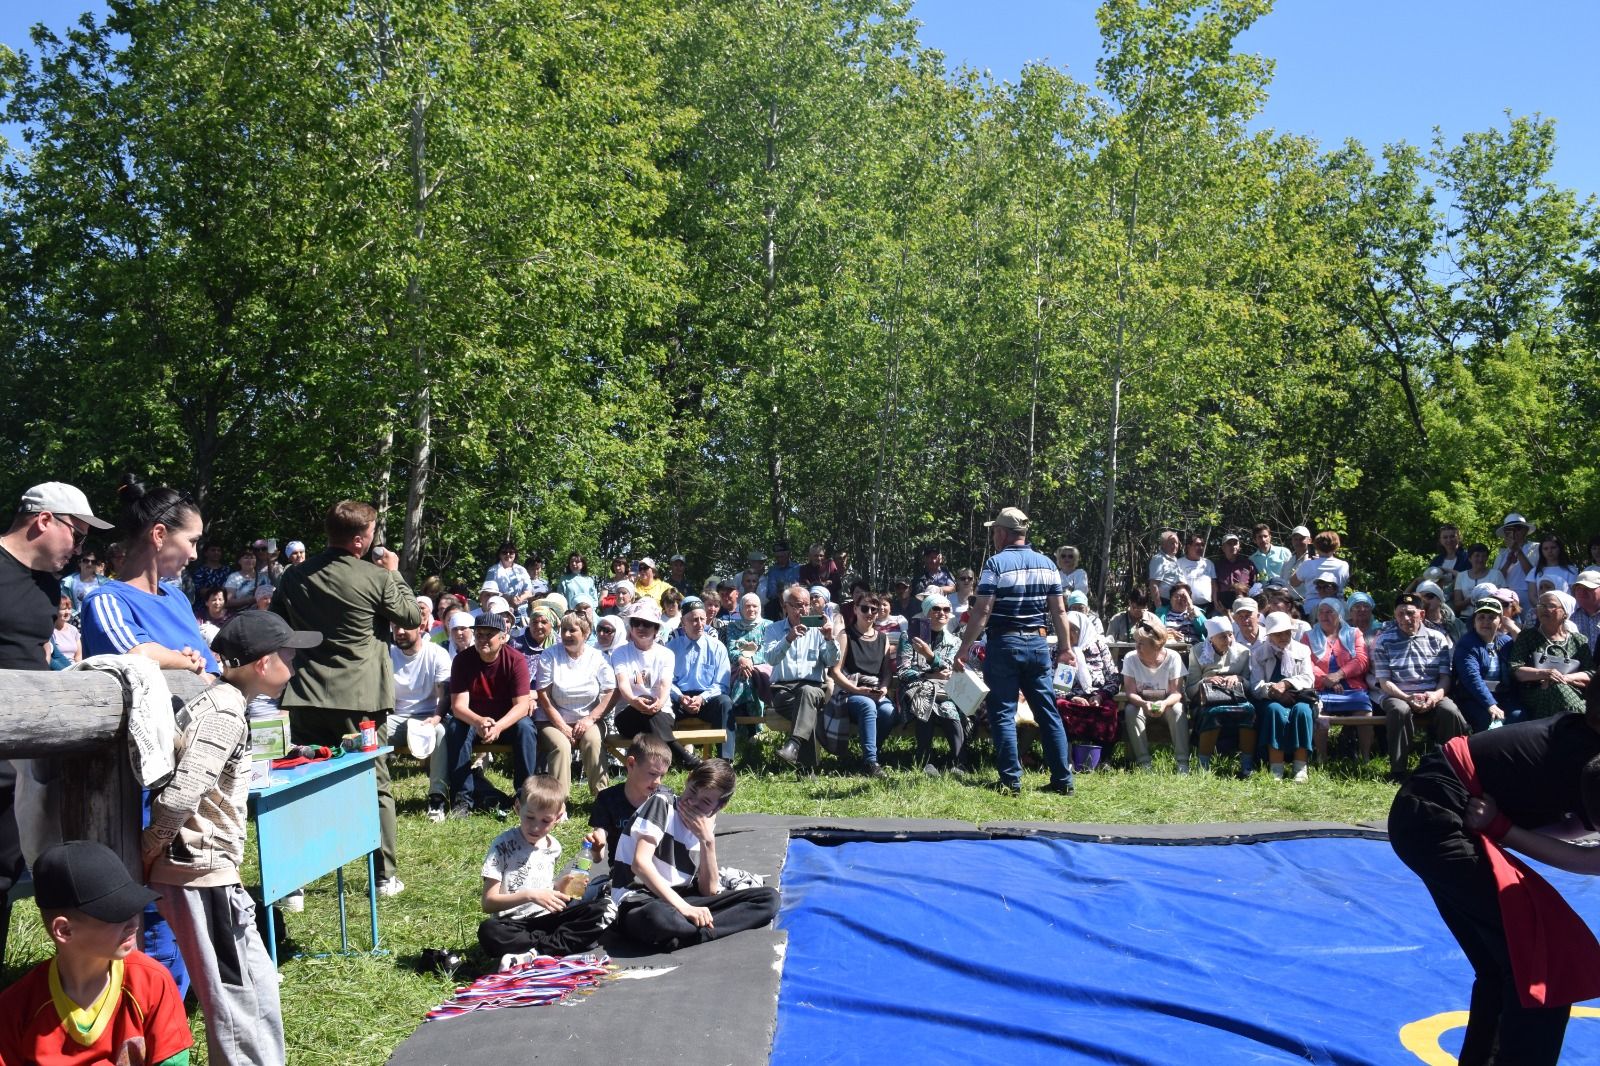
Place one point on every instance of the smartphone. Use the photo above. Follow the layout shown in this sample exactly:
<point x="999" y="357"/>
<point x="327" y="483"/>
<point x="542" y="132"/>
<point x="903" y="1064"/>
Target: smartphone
<point x="272" y="545"/>
<point x="812" y="621"/>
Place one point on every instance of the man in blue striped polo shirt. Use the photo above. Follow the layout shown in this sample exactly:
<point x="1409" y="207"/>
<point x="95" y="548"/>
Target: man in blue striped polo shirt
<point x="1017" y="591"/>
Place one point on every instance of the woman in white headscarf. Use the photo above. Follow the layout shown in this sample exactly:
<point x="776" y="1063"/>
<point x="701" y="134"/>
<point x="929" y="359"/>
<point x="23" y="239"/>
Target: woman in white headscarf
<point x="924" y="667"/>
<point x="1219" y="692"/>
<point x="1282" y="683"/>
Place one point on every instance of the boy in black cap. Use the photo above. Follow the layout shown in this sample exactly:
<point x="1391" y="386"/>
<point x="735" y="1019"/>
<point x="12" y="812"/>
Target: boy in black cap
<point x="195" y="842"/>
<point x="100" y="999"/>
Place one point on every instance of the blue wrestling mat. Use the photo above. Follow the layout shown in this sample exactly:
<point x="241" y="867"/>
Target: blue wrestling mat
<point x="1323" y="950"/>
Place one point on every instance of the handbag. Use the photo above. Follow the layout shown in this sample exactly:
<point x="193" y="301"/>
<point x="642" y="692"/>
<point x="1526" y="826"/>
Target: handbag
<point x="1221" y="689"/>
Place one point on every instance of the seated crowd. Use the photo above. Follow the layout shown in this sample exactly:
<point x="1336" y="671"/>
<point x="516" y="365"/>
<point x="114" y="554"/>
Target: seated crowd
<point x="1256" y="652"/>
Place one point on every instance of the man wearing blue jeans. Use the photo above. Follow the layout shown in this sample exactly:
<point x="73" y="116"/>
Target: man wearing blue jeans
<point x="490" y="701"/>
<point x="1017" y="591"/>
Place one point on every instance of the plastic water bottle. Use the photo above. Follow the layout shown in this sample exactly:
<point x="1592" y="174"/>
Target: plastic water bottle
<point x="575" y="881"/>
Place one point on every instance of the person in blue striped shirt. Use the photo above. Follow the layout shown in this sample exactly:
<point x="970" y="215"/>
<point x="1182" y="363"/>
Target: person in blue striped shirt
<point x="1018" y="590"/>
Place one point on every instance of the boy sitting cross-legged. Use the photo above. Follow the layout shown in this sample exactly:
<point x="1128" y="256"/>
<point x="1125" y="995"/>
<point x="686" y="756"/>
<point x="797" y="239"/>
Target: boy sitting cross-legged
<point x="665" y="877"/>
<point x="99" y="1000"/>
<point x="528" y="916"/>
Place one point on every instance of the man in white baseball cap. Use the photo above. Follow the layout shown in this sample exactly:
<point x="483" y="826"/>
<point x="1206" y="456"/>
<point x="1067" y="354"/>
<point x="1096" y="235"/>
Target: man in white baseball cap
<point x="1586" y="591"/>
<point x="47" y="530"/>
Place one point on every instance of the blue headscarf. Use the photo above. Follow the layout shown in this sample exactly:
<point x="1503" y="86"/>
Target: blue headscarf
<point x="1318" y="638"/>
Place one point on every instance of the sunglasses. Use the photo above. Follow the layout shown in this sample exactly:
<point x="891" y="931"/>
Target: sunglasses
<point x="640" y="623"/>
<point x="78" y="535"/>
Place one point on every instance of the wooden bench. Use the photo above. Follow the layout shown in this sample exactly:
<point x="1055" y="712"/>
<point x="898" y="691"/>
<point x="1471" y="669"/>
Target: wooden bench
<point x="704" y="738"/>
<point x="1325" y="721"/>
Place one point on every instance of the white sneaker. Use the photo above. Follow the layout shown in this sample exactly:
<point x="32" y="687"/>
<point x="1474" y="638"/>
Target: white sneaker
<point x="1301" y="773"/>
<point x="512" y="962"/>
<point x="294" y="902"/>
<point x="390" y="886"/>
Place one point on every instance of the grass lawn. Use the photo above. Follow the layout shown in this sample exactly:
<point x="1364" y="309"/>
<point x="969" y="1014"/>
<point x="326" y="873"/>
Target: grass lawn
<point x="356" y="1010"/>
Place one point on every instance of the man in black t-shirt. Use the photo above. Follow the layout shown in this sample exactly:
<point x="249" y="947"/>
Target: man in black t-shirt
<point x="1534" y="772"/>
<point x="48" y="529"/>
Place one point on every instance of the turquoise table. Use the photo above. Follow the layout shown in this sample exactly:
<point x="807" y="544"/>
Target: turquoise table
<point x="312" y="820"/>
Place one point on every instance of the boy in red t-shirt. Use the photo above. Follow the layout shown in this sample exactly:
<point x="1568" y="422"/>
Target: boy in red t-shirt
<point x="99" y="1000"/>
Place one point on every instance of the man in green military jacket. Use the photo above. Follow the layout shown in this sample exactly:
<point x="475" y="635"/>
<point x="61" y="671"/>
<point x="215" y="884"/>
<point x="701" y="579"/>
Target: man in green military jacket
<point x="346" y="678"/>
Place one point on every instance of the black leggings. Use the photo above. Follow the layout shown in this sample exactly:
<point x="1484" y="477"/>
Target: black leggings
<point x="1426" y="832"/>
<point x="655" y="922"/>
<point x="568" y="931"/>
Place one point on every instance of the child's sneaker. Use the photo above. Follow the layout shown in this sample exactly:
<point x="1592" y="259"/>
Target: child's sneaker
<point x="390" y="886"/>
<point x="1301" y="773"/>
<point x="294" y="902"/>
<point x="513" y="962"/>
<point x="436" y="809"/>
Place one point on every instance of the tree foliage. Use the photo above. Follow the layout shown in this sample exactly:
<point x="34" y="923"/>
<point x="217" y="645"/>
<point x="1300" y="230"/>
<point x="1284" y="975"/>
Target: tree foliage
<point x="684" y="275"/>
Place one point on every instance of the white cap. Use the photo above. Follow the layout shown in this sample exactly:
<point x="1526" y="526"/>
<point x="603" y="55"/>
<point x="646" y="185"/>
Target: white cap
<point x="498" y="605"/>
<point x="1234" y="537"/>
<point x="1299" y="531"/>
<point x="58" y="497"/>
<point x="461" y="620"/>
<point x="1277" y="622"/>
<point x="1245" y="603"/>
<point x="647" y="561"/>
<point x="646" y="610"/>
<point x="1589" y="579"/>
<point x="420" y="739"/>
<point x="1512" y="519"/>
<point x="1429" y="588"/>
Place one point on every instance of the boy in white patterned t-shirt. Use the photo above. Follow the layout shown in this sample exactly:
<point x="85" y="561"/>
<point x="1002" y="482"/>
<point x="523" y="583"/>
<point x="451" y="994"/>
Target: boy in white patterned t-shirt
<point x="527" y="915"/>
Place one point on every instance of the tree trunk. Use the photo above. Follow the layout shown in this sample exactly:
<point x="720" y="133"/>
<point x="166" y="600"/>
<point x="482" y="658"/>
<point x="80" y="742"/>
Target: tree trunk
<point x="1118" y="361"/>
<point x="422" y="401"/>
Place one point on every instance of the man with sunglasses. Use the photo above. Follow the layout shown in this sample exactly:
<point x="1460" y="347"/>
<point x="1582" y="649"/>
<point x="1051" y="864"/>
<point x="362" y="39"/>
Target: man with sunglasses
<point x="48" y="528"/>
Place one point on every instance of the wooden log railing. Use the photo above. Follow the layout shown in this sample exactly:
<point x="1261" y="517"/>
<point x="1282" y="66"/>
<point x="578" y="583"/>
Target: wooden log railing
<point x="79" y="719"/>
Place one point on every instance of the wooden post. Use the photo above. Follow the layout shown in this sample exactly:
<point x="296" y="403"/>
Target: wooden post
<point x="79" y="720"/>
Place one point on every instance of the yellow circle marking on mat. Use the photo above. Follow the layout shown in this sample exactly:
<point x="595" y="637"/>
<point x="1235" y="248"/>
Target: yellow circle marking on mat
<point x="1421" y="1038"/>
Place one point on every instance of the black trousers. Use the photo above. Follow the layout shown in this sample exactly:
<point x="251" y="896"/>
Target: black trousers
<point x="954" y="729"/>
<point x="1426" y="832"/>
<point x="655" y="922"/>
<point x="630" y="722"/>
<point x="574" y="929"/>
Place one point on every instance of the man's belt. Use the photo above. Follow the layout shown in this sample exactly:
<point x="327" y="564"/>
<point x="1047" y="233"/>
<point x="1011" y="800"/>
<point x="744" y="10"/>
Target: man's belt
<point x="1038" y="631"/>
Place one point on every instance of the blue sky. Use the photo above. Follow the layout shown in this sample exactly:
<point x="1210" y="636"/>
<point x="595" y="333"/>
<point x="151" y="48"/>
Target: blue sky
<point x="1375" y="70"/>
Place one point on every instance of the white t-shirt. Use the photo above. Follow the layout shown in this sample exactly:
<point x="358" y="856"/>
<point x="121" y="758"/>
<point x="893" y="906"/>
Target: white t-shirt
<point x="1560" y="578"/>
<point x="1312" y="568"/>
<point x="415" y="678"/>
<point x="1530" y="552"/>
<point x="519" y="865"/>
<point x="238" y="585"/>
<point x="1152" y="683"/>
<point x="643" y="669"/>
<point x="573" y="683"/>
<point x="1465" y="584"/>
<point x="1078" y="579"/>
<point x="1198" y="574"/>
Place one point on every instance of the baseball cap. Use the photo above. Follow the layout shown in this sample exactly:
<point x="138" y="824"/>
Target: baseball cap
<point x="58" y="497"/>
<point x="1233" y="537"/>
<point x="1010" y="518"/>
<point x="645" y="610"/>
<point x="498" y="605"/>
<point x="1488" y="605"/>
<point x="1429" y="588"/>
<point x="647" y="561"/>
<point x="489" y="620"/>
<point x="1299" y="531"/>
<point x="1245" y="603"/>
<point x="677" y="559"/>
<point x="1589" y="579"/>
<point x="251" y="634"/>
<point x="87" y="876"/>
<point x="757" y="556"/>
<point x="259" y="545"/>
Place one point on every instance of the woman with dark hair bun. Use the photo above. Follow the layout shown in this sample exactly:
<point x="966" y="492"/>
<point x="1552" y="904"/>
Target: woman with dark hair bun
<point x="144" y="612"/>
